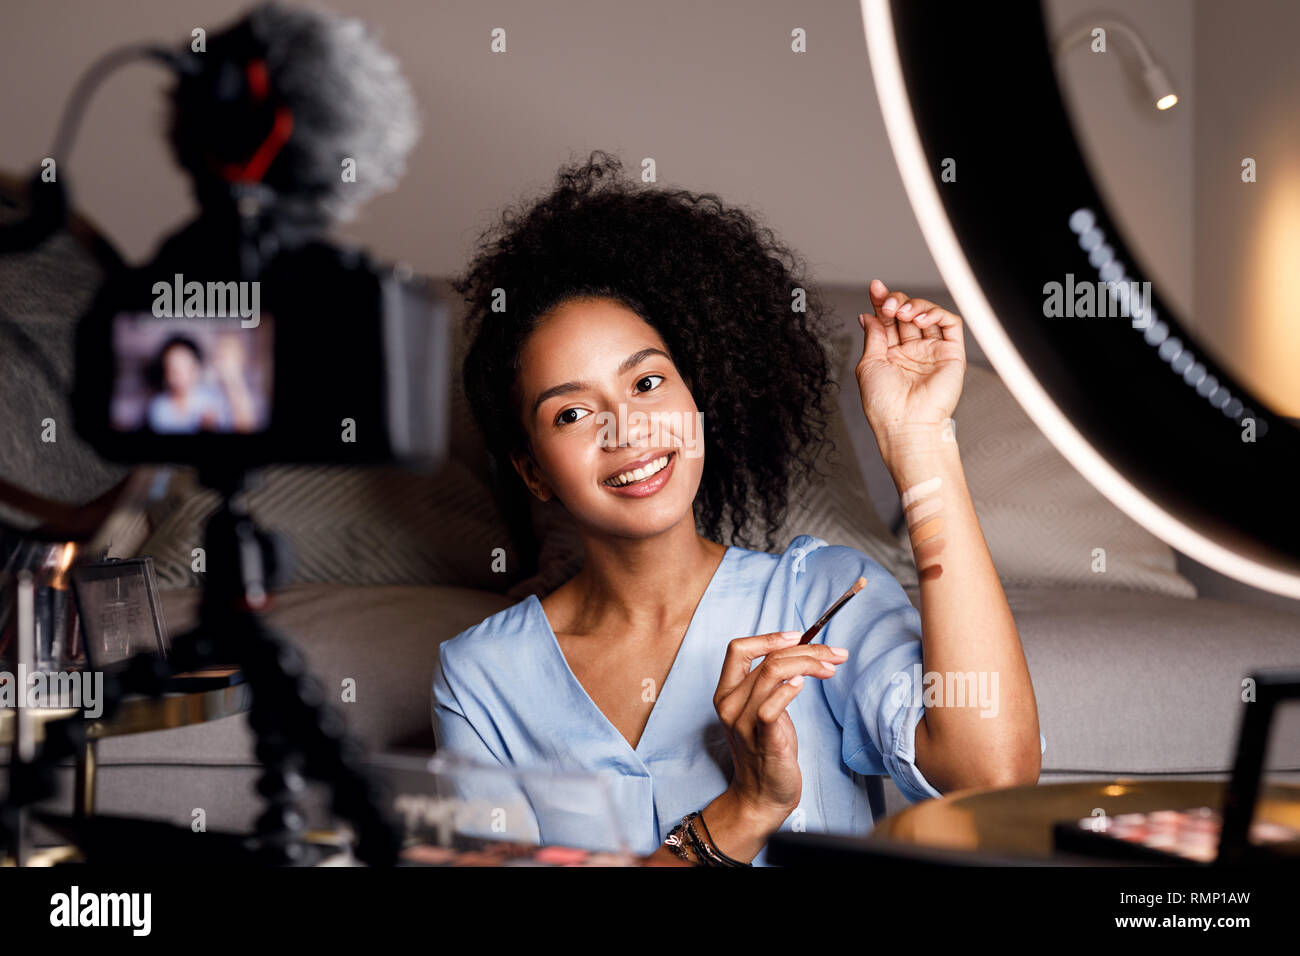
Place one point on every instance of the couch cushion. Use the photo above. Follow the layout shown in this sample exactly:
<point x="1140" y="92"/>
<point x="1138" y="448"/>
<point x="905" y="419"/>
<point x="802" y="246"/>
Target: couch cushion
<point x="352" y="526"/>
<point x="1128" y="682"/>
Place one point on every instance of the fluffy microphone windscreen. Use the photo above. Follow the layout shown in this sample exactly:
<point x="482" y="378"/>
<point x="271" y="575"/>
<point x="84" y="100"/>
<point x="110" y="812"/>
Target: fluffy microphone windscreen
<point x="348" y="99"/>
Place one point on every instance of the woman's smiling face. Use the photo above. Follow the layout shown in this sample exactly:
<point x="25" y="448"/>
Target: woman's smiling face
<point x="599" y="397"/>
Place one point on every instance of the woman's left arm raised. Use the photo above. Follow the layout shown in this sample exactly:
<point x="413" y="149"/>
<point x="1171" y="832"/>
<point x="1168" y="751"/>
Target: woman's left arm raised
<point x="980" y="727"/>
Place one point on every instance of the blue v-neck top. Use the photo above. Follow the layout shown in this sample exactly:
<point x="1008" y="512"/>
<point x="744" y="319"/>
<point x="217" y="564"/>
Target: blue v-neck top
<point x="503" y="693"/>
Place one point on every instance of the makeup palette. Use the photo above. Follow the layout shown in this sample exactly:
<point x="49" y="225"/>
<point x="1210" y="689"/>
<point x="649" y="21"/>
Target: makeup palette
<point x="1187" y="834"/>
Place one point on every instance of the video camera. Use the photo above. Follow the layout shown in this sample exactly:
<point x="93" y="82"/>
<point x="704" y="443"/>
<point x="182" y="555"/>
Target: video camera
<point x="249" y="340"/>
<point x="320" y="358"/>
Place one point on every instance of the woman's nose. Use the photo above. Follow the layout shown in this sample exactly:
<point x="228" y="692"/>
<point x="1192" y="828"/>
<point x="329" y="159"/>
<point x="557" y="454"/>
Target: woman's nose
<point x="623" y="428"/>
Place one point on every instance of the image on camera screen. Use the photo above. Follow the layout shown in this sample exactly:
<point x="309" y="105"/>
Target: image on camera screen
<point x="187" y="376"/>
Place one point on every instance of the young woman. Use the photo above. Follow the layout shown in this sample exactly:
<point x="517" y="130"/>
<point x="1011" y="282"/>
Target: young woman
<point x="183" y="402"/>
<point x="652" y="359"/>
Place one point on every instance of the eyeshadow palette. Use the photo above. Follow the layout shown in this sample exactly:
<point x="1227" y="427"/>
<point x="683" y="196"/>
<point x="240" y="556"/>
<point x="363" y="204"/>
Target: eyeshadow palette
<point x="1164" y="835"/>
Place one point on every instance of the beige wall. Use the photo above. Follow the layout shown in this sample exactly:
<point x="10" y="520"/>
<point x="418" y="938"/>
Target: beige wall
<point x="1248" y="234"/>
<point x="710" y="90"/>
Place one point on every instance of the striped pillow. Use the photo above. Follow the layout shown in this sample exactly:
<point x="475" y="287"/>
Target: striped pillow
<point x="351" y="525"/>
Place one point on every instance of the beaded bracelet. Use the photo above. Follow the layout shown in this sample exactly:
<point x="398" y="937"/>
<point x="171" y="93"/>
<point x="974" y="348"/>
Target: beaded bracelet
<point x="675" y="841"/>
<point x="706" y="851"/>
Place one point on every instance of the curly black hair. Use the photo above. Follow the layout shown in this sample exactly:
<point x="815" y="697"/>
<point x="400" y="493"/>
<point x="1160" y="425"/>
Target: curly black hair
<point x="719" y="288"/>
<point x="155" y="373"/>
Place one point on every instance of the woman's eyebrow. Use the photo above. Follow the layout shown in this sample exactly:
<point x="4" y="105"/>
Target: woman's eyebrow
<point x="629" y="363"/>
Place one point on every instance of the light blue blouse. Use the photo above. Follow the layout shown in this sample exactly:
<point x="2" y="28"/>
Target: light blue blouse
<point x="503" y="693"/>
<point x="168" y="417"/>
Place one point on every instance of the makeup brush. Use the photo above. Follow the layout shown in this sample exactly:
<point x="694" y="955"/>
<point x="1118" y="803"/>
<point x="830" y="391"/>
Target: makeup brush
<point x="809" y="634"/>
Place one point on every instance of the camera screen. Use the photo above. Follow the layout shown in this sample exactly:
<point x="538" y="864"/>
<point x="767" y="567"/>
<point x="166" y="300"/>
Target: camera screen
<point x="186" y="376"/>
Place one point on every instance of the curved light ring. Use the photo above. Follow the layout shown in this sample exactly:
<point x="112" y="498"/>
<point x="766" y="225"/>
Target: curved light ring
<point x="904" y="139"/>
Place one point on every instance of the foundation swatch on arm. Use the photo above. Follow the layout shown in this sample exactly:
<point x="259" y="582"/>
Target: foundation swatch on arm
<point x="923" y="508"/>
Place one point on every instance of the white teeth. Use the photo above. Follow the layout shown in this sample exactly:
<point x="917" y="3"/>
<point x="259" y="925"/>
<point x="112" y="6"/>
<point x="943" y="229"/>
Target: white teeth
<point x="639" y="474"/>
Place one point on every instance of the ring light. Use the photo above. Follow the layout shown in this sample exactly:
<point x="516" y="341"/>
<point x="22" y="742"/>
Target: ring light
<point x="1007" y="207"/>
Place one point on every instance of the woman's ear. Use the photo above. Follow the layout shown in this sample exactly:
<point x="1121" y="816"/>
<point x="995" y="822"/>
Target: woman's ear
<point x="531" y="475"/>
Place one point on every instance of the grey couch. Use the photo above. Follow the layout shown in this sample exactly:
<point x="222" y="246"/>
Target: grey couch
<point x="1129" y="682"/>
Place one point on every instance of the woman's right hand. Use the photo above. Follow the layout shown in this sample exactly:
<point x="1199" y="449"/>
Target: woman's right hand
<point x="751" y="705"/>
